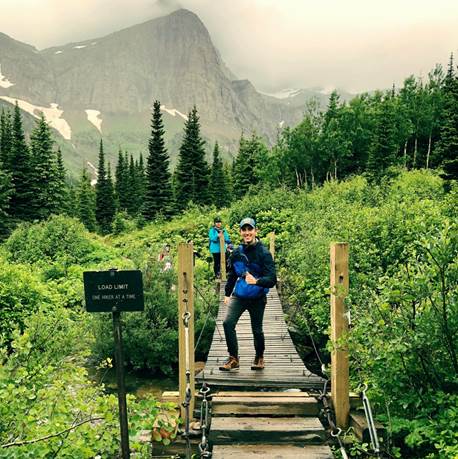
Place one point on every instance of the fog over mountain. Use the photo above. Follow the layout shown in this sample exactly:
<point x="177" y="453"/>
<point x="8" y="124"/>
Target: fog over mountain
<point x="355" y="45"/>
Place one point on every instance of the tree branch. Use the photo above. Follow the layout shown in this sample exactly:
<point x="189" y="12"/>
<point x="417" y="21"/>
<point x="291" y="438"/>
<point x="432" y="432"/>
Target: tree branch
<point x="47" y="437"/>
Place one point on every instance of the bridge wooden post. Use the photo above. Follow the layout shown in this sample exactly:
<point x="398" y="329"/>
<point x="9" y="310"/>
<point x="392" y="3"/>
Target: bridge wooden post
<point x="340" y="389"/>
<point x="271" y="237"/>
<point x="222" y="250"/>
<point x="186" y="304"/>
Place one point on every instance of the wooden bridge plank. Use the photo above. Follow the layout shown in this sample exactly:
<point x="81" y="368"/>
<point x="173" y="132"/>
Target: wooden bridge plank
<point x="271" y="451"/>
<point x="284" y="367"/>
<point x="267" y="430"/>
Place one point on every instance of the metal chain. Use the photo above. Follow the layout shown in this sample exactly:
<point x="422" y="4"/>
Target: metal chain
<point x="188" y="395"/>
<point x="204" y="422"/>
<point x="327" y="410"/>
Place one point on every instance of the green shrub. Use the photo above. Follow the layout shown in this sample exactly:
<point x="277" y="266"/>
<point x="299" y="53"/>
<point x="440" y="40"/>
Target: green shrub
<point x="59" y="239"/>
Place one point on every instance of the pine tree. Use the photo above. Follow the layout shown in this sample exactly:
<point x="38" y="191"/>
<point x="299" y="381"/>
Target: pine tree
<point x="43" y="177"/>
<point x="246" y="165"/>
<point x="446" y="153"/>
<point x="141" y="174"/>
<point x="158" y="188"/>
<point x="21" y="172"/>
<point x="335" y="145"/>
<point x="61" y="191"/>
<point x="111" y="198"/>
<point x="86" y="202"/>
<point x="133" y="203"/>
<point x="192" y="172"/>
<point x="6" y="191"/>
<point x="6" y="140"/>
<point x="218" y="185"/>
<point x="384" y="147"/>
<point x="104" y="198"/>
<point x="122" y="181"/>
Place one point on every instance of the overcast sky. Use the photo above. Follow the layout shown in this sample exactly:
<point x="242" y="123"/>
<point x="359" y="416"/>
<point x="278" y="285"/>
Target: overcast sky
<point x="356" y="45"/>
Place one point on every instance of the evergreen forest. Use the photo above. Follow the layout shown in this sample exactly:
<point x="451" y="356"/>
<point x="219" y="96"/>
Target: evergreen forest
<point x="379" y="172"/>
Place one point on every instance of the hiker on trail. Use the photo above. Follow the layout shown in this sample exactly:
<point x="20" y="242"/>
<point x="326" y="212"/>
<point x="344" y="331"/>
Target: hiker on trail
<point x="165" y="258"/>
<point x="215" y="233"/>
<point x="251" y="274"/>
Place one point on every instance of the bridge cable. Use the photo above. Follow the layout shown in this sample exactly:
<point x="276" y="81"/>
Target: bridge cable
<point x="209" y="314"/>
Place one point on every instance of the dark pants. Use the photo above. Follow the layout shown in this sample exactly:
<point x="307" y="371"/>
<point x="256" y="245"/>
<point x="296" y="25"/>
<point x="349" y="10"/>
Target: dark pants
<point x="236" y="308"/>
<point x="216" y="263"/>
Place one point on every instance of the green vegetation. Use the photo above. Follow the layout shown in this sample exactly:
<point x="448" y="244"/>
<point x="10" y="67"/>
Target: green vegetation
<point x="378" y="172"/>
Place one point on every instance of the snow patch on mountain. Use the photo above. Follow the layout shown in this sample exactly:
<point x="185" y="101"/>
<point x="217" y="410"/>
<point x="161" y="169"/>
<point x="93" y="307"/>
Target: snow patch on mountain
<point x="58" y="52"/>
<point x="4" y="82"/>
<point x="52" y="115"/>
<point x="94" y="173"/>
<point x="79" y="46"/>
<point x="283" y="94"/>
<point x="327" y="90"/>
<point x="174" y="112"/>
<point x="93" y="117"/>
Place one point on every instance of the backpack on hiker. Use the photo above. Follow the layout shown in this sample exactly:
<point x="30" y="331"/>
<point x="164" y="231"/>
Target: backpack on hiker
<point x="243" y="266"/>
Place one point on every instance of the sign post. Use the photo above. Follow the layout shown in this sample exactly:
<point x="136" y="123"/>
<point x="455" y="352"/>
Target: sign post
<point x="116" y="291"/>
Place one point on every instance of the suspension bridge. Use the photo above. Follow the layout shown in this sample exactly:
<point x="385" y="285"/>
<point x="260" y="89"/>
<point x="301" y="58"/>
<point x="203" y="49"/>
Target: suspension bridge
<point x="275" y="412"/>
<point x="283" y="411"/>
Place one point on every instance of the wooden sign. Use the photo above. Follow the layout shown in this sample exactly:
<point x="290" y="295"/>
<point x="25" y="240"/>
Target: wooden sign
<point x="105" y="290"/>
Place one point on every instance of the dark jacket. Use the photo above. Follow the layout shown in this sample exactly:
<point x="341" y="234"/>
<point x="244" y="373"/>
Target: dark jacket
<point x="258" y="254"/>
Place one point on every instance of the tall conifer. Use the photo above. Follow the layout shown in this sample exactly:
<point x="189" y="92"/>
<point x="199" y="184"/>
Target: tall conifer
<point x="446" y="154"/>
<point x="122" y="181"/>
<point x="21" y="171"/>
<point x="245" y="173"/>
<point x="384" y="148"/>
<point x="61" y="190"/>
<point x="104" y="199"/>
<point x="43" y="174"/>
<point x="192" y="172"/>
<point x="218" y="185"/>
<point x="86" y="202"/>
<point x="6" y="140"/>
<point x="6" y="191"/>
<point x="158" y="187"/>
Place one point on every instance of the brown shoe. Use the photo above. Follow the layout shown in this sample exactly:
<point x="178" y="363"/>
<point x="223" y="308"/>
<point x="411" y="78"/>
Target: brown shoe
<point x="232" y="363"/>
<point x="258" y="363"/>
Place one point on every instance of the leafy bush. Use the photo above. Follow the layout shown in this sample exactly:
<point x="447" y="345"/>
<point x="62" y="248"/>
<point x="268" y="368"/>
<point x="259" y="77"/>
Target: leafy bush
<point x="21" y="294"/>
<point x="59" y="239"/>
<point x="48" y="407"/>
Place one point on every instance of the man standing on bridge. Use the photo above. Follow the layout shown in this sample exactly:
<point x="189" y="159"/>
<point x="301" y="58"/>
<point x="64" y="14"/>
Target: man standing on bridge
<point x="251" y="274"/>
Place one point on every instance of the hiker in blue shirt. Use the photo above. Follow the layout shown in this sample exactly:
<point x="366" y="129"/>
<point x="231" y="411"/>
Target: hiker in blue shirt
<point x="252" y="272"/>
<point x="215" y="233"/>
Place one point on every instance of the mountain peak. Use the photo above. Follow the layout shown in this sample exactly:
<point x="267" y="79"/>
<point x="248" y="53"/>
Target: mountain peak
<point x="184" y="17"/>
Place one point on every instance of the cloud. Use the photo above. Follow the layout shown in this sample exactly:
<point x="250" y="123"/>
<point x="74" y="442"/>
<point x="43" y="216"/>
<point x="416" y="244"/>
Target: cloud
<point x="354" y="44"/>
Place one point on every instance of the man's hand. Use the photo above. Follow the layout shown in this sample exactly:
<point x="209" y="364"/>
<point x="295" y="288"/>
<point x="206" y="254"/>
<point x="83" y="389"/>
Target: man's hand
<point x="250" y="279"/>
<point x="227" y="299"/>
<point x="220" y="234"/>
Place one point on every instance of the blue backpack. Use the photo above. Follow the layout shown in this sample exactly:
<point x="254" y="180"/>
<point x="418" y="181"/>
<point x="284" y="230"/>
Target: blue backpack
<point x="242" y="288"/>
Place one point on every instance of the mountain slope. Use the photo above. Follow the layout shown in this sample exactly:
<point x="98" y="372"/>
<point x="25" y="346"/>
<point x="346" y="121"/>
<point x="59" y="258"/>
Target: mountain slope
<point x="106" y="86"/>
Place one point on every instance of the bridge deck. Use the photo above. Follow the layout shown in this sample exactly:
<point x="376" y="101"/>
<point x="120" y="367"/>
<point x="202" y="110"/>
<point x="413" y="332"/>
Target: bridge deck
<point x="284" y="368"/>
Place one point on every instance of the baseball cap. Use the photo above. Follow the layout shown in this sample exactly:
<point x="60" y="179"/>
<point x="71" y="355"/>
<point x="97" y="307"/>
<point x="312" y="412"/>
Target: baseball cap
<point x="247" y="221"/>
<point x="217" y="219"/>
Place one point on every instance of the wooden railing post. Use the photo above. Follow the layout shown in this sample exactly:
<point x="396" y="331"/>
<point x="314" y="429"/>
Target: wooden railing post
<point x="186" y="304"/>
<point x="339" y="328"/>
<point x="271" y="237"/>
<point x="222" y="249"/>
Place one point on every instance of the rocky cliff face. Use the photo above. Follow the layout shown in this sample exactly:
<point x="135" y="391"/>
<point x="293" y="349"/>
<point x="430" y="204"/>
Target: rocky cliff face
<point x="171" y="59"/>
